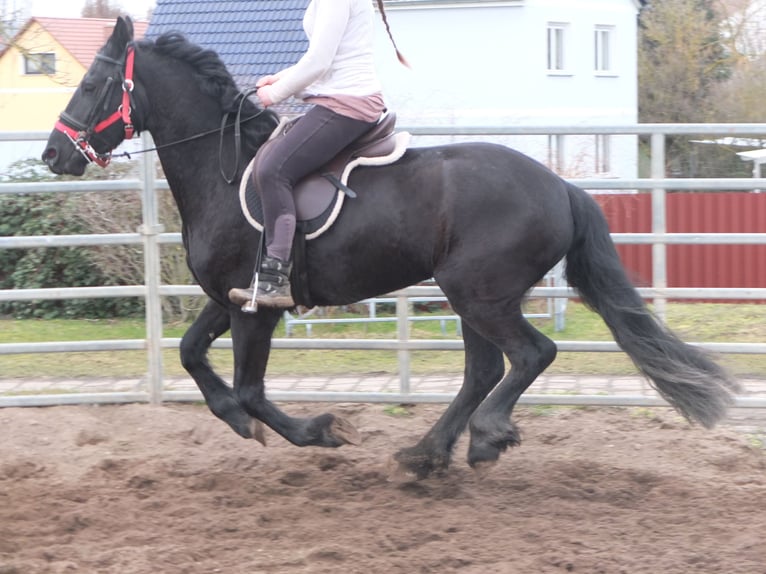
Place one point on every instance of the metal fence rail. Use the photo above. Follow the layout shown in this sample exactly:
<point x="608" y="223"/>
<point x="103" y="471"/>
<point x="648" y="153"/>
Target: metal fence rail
<point x="151" y="236"/>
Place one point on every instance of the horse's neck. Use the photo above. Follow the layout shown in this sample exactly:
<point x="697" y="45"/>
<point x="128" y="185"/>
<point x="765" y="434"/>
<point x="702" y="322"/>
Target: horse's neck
<point x="196" y="183"/>
<point x="179" y="114"/>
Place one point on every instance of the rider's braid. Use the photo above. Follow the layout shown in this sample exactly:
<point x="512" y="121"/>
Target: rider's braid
<point x="399" y="55"/>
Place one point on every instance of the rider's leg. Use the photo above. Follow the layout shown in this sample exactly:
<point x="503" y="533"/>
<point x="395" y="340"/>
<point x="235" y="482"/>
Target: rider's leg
<point x="310" y="143"/>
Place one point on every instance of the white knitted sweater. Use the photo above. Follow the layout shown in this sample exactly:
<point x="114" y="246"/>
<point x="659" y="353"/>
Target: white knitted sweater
<point x="340" y="56"/>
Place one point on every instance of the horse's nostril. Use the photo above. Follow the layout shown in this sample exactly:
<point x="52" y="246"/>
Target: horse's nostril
<point x="49" y="154"/>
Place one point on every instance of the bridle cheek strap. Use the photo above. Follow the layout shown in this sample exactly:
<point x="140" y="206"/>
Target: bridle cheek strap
<point x="123" y="112"/>
<point x="127" y="92"/>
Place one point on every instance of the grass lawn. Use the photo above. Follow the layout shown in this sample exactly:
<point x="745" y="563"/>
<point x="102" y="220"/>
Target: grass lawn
<point x="698" y="322"/>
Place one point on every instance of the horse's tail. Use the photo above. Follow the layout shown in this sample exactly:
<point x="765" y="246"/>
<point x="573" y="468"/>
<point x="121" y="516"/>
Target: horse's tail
<point x="684" y="375"/>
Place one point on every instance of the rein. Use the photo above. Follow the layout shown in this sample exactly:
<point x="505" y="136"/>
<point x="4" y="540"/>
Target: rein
<point x="237" y="136"/>
<point x="200" y="135"/>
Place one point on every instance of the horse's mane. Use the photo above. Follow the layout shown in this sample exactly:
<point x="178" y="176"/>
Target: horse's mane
<point x="214" y="79"/>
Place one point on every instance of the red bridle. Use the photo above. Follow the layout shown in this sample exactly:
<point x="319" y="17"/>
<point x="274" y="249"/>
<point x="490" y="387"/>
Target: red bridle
<point x="79" y="133"/>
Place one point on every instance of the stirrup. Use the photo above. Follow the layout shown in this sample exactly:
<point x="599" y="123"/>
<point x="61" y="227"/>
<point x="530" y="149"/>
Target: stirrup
<point x="236" y="295"/>
<point x="250" y="306"/>
<point x="244" y="298"/>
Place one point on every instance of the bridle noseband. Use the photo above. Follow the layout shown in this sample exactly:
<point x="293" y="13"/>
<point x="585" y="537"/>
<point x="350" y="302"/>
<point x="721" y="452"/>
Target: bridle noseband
<point x="79" y="133"/>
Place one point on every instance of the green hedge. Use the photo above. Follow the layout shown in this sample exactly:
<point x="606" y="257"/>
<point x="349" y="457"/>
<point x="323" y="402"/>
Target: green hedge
<point x="53" y="214"/>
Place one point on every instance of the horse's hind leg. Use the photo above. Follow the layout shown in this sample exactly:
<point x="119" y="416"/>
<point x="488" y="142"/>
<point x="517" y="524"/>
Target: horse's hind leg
<point x="251" y="337"/>
<point x="211" y="323"/>
<point x="483" y="369"/>
<point x="529" y="352"/>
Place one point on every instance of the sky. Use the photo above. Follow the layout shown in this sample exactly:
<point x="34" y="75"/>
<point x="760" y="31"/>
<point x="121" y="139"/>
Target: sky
<point x="73" y="8"/>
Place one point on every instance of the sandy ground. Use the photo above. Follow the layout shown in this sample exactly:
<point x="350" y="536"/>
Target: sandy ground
<point x="137" y="489"/>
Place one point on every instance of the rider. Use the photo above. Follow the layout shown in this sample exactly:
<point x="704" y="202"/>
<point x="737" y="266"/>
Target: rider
<point x="336" y="74"/>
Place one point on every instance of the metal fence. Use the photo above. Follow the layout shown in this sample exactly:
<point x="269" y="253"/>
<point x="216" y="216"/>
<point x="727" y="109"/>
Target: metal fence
<point x="151" y="236"/>
<point x="555" y="309"/>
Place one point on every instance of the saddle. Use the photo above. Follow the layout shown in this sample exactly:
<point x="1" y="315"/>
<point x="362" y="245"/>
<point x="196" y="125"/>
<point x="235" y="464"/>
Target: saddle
<point x="319" y="196"/>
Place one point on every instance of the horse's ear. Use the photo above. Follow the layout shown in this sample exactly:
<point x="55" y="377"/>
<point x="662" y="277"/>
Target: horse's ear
<point x="123" y="30"/>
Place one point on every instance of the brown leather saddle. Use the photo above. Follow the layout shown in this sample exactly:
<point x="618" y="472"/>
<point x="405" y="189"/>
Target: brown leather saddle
<point x="318" y="196"/>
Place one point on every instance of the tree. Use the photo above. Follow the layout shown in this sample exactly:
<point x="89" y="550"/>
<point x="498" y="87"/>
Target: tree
<point x="743" y="28"/>
<point x="741" y="98"/>
<point x="100" y="9"/>
<point x="681" y="58"/>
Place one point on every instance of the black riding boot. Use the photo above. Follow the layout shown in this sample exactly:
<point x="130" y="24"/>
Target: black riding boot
<point x="273" y="286"/>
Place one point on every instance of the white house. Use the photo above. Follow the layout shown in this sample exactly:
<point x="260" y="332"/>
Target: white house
<point x="520" y="63"/>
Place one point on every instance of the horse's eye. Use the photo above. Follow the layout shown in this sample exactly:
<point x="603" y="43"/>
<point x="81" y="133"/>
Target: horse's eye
<point x="88" y="87"/>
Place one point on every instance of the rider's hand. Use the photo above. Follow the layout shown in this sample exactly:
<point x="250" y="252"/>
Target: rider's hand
<point x="266" y="80"/>
<point x="264" y="94"/>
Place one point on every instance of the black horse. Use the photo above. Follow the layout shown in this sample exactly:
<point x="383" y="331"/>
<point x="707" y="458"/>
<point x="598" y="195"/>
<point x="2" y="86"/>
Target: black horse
<point x="485" y="221"/>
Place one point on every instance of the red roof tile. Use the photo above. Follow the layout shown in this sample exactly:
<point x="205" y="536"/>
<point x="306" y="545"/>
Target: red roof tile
<point x="83" y="37"/>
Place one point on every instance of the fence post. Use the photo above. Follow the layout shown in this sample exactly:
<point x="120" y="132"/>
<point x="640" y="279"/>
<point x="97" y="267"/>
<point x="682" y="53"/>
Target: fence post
<point x="659" y="226"/>
<point x="559" y="303"/>
<point x="403" y="336"/>
<point x="149" y="230"/>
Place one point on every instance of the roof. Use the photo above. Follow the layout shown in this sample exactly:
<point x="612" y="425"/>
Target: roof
<point x="81" y="37"/>
<point x="756" y="155"/>
<point x="253" y="37"/>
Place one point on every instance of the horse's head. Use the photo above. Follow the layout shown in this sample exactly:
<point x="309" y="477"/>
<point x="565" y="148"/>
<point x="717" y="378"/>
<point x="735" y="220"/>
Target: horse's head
<point x="98" y="117"/>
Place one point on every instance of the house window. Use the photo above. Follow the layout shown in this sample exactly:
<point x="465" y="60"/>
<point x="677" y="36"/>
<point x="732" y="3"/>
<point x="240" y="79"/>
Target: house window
<point x="42" y="63"/>
<point x="603" y="153"/>
<point x="556" y="47"/>
<point x="603" y="49"/>
<point x="556" y="153"/>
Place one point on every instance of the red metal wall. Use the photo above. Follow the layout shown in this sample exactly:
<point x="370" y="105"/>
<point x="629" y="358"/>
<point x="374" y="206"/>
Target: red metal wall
<point x="698" y="212"/>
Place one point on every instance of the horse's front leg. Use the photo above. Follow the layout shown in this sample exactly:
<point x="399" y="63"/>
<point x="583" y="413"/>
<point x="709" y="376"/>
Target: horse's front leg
<point x="484" y="368"/>
<point x="251" y="338"/>
<point x="211" y="323"/>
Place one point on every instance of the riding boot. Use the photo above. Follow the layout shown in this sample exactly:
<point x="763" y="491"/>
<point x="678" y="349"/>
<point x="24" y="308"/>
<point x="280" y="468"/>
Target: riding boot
<point x="273" y="286"/>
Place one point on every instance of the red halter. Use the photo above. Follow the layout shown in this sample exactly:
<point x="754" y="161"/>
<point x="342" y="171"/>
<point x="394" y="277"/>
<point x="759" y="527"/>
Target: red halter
<point x="79" y="133"/>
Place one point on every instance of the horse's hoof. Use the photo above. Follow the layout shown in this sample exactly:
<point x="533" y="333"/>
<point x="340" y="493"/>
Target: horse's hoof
<point x="345" y="432"/>
<point x="418" y="463"/>
<point x="258" y="431"/>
